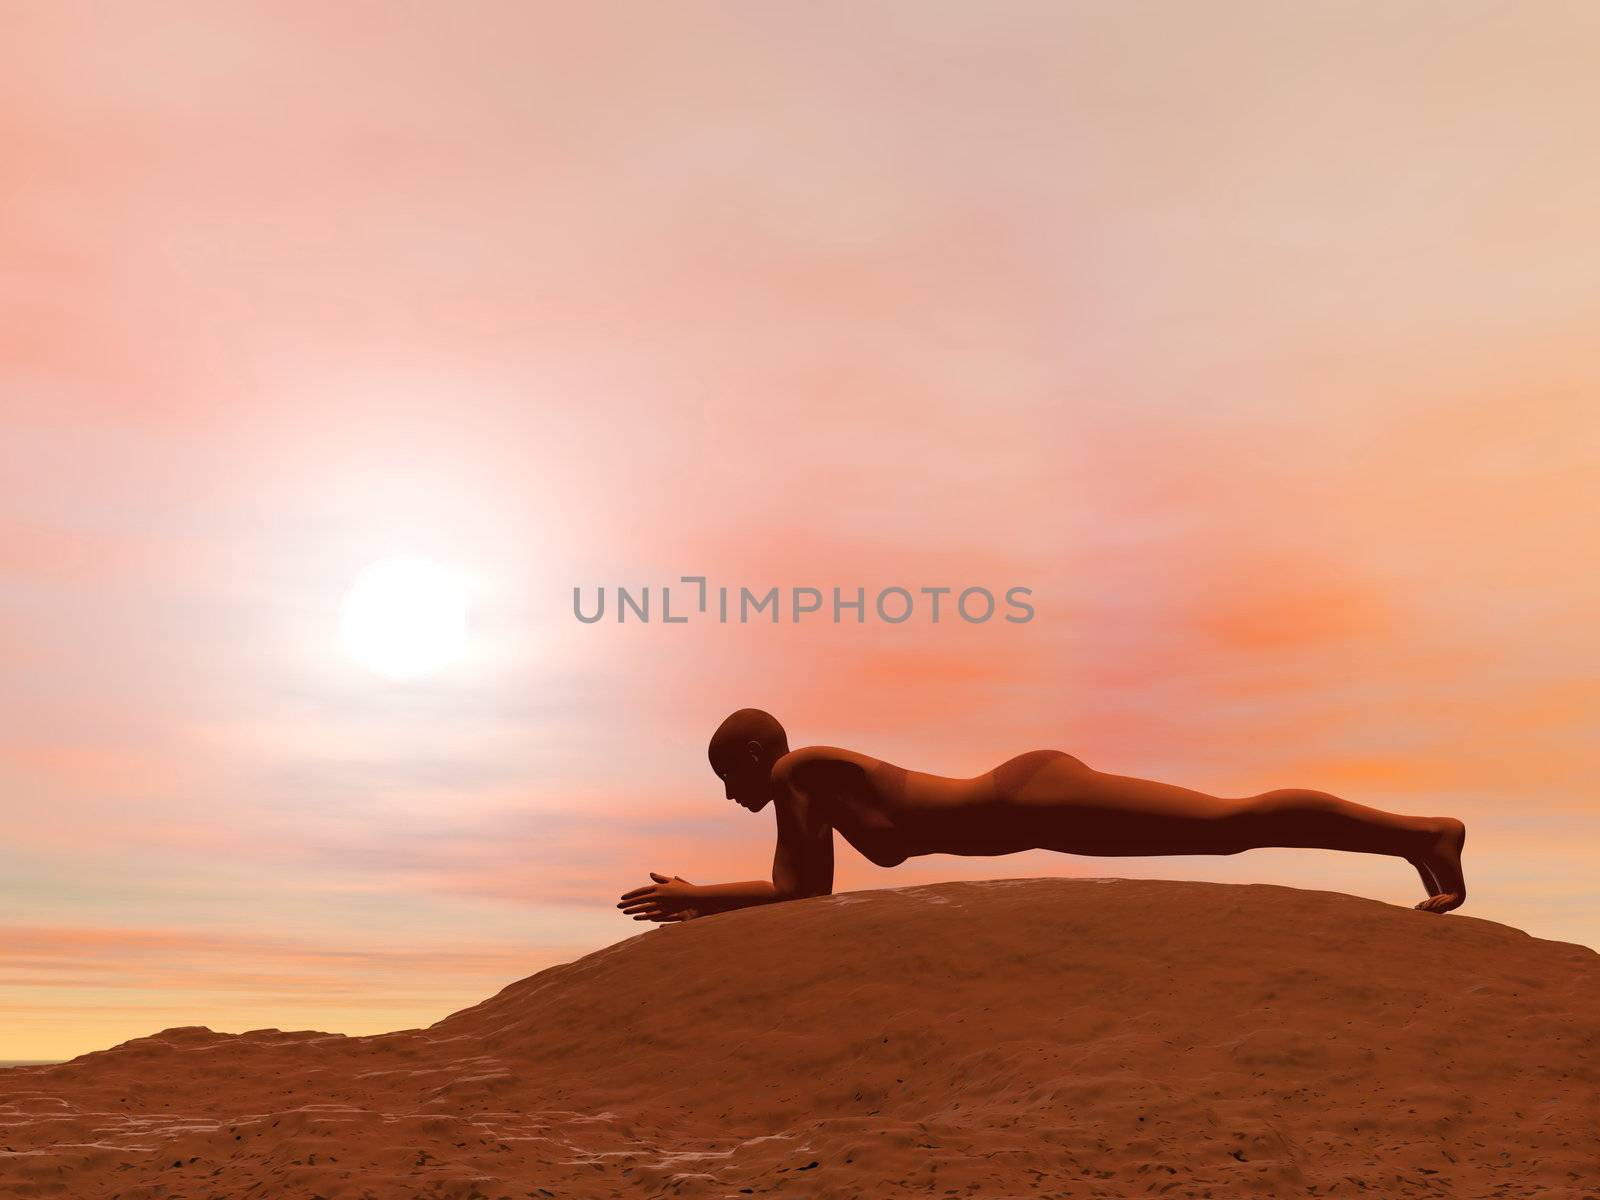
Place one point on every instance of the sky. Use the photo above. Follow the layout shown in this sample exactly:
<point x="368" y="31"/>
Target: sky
<point x="1258" y="341"/>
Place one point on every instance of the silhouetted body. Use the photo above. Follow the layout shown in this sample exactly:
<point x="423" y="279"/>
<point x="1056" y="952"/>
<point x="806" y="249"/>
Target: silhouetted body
<point x="1042" y="800"/>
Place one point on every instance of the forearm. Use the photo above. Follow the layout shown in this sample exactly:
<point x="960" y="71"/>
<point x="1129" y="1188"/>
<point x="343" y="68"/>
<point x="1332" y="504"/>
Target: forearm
<point x="725" y="897"/>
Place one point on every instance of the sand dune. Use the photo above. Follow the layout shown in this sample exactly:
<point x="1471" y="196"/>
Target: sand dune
<point x="1041" y="1037"/>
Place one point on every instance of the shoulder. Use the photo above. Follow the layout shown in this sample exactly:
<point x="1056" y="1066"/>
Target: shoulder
<point x="811" y="767"/>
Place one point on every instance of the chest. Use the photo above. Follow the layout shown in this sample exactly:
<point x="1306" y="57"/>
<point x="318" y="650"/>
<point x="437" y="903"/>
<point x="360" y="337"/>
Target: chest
<point x="863" y="822"/>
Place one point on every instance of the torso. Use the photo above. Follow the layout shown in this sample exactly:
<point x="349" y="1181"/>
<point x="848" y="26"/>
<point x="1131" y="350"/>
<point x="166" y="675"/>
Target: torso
<point x="889" y="814"/>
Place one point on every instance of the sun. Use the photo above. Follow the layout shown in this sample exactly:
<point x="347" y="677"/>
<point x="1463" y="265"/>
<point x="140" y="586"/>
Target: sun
<point x="405" y="618"/>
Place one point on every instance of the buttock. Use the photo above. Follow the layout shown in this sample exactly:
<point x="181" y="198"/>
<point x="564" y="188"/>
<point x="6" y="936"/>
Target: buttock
<point x="1013" y="774"/>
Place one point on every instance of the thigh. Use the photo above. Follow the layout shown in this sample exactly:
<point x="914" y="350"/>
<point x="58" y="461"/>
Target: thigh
<point x="1083" y="811"/>
<point x="1105" y="792"/>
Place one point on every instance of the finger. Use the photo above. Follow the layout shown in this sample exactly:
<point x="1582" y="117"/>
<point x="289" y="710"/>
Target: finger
<point x="633" y="908"/>
<point x="646" y="890"/>
<point x="660" y="878"/>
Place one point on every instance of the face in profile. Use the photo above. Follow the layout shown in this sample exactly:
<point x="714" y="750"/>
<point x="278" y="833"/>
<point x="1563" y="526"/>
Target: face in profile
<point x="743" y="752"/>
<point x="746" y="774"/>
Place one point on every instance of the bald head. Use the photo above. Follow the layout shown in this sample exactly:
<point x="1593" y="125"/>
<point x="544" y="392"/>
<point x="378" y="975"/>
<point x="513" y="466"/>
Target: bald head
<point x="742" y="753"/>
<point x="749" y="725"/>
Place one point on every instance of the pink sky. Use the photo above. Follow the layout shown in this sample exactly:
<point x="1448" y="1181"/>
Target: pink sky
<point x="1259" y="343"/>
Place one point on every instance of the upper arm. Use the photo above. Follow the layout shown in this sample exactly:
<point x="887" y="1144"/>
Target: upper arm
<point x="803" y="862"/>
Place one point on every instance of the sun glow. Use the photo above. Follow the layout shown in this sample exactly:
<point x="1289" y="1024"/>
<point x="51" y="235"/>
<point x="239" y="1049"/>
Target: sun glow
<point x="405" y="618"/>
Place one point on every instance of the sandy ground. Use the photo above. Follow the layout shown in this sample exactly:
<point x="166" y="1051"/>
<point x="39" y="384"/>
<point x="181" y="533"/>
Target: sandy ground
<point x="1046" y="1037"/>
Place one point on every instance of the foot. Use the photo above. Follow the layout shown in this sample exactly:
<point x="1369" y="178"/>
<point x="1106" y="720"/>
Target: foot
<point x="1430" y="885"/>
<point x="1440" y="867"/>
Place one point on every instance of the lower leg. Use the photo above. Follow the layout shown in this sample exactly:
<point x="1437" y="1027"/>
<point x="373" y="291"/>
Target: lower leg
<point x="1300" y="817"/>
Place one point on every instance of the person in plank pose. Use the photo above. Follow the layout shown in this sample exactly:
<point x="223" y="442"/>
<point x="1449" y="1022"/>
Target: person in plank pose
<point x="1044" y="800"/>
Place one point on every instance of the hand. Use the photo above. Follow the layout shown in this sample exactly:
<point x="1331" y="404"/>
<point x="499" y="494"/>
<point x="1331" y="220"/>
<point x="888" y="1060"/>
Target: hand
<point x="669" y="898"/>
